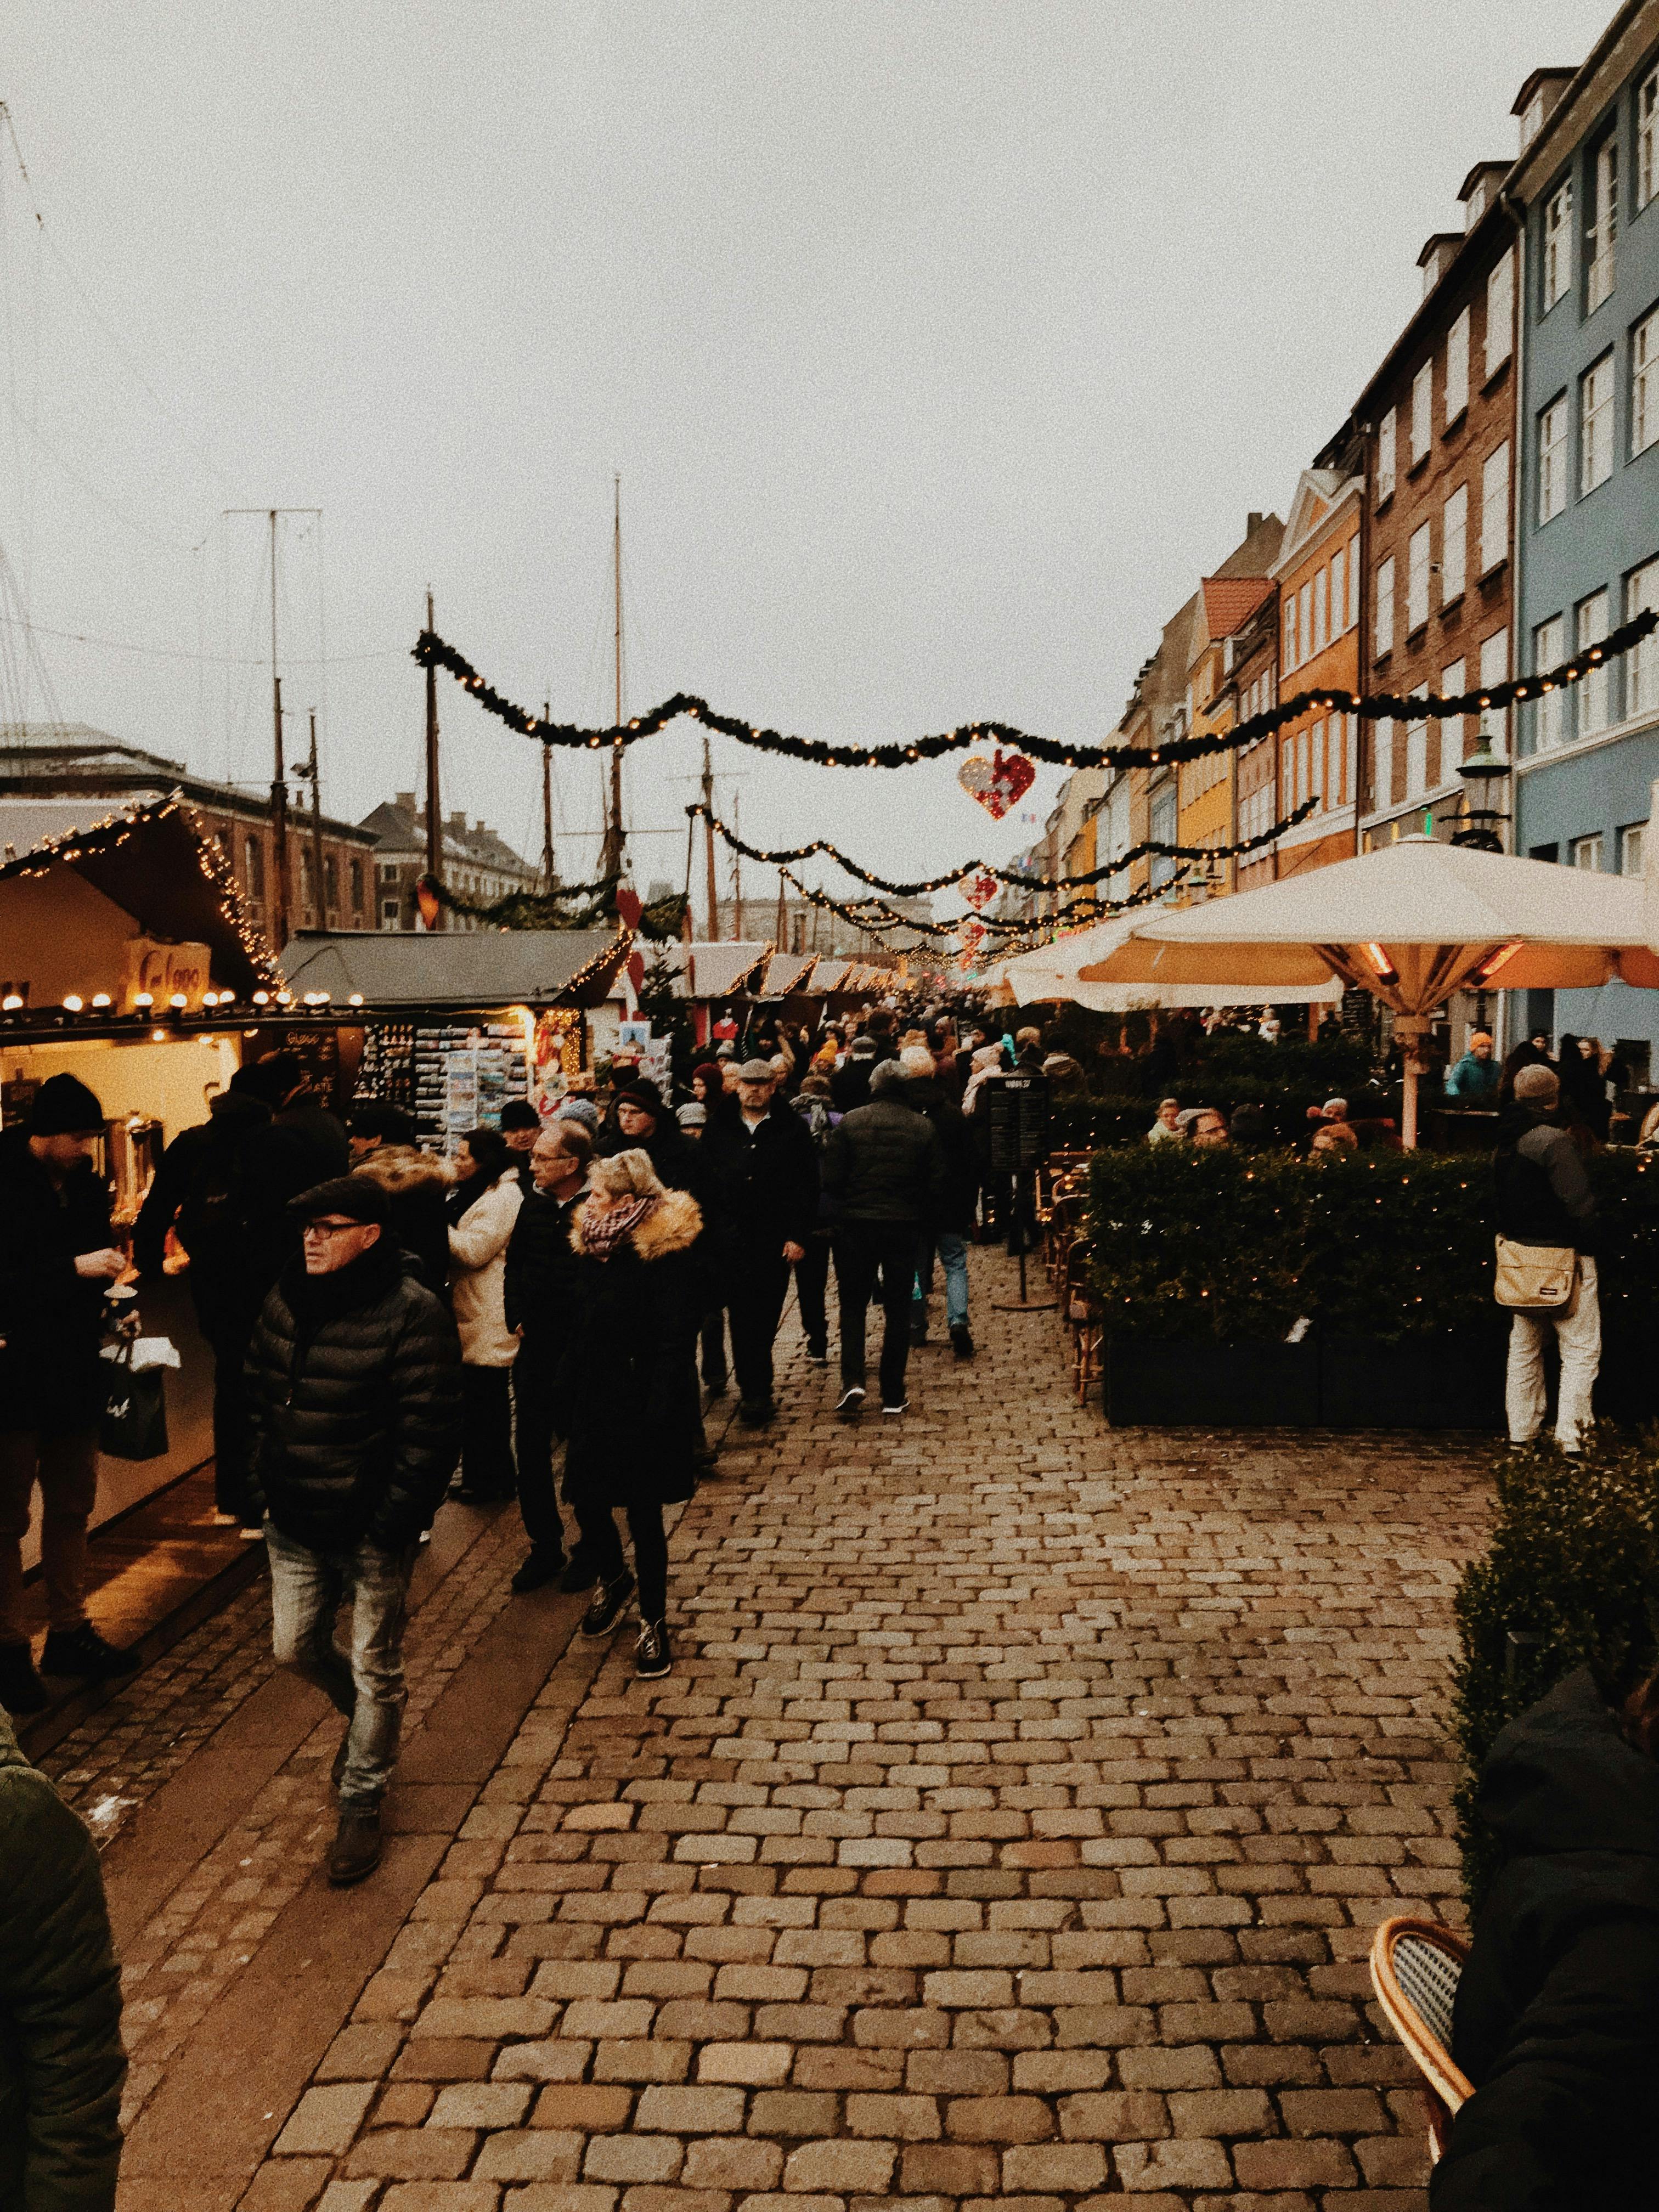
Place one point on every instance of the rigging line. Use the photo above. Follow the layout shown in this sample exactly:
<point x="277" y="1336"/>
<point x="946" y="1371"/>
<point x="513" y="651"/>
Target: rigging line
<point x="138" y="529"/>
<point x="182" y="653"/>
<point x="49" y="237"/>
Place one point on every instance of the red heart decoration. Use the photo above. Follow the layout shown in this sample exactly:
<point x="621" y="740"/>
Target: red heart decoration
<point x="970" y="933"/>
<point x="637" y="971"/>
<point x="979" y="890"/>
<point x="628" y="908"/>
<point x="998" y="783"/>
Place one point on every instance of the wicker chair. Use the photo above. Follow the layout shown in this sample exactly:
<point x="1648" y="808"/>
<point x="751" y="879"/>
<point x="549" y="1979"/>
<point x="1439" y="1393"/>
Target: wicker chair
<point x="1082" y="1316"/>
<point x="1415" y="1968"/>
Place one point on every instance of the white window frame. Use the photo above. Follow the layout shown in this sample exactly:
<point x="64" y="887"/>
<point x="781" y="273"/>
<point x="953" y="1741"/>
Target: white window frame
<point x="1585" y="854"/>
<point x="1422" y="411"/>
<point x="1455" y="546"/>
<point x="1419" y="555"/>
<point x="1338" y="590"/>
<point x="1304" y="620"/>
<point x="1602" y="233"/>
<point x="1384" y="606"/>
<point x="1554" y="444"/>
<point x="1494" y="670"/>
<point x="1642" y="676"/>
<point x="1631" y="838"/>
<point x="1387" y="456"/>
<point x="1495" y="509"/>
<point x="1595" y="389"/>
<point x="1291" y="662"/>
<point x="1645" y="382"/>
<point x="1647" y="138"/>
<point x="1457" y="368"/>
<point x="1555" y="275"/>
<point x="1321" y="595"/>
<point x="1382" y="766"/>
<point x="1500" y="312"/>
<point x="1589" y="627"/>
<point x="1354" y="583"/>
<point x="1549" y="649"/>
<point x="1417" y="751"/>
<point x="1452" y="681"/>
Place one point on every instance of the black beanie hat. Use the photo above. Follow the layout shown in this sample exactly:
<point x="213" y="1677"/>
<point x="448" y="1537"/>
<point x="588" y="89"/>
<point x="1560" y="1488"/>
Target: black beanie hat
<point x="64" y="1107"/>
<point x="358" y="1197"/>
<point x="643" y="1093"/>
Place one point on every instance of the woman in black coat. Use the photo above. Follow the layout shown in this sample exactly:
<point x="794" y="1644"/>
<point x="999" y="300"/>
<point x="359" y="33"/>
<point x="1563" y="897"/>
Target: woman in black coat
<point x="626" y="1396"/>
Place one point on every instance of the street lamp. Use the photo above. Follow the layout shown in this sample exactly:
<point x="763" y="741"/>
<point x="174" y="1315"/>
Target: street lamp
<point x="1483" y="774"/>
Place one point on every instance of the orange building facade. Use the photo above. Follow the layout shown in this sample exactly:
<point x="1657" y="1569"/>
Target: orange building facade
<point x="1319" y="582"/>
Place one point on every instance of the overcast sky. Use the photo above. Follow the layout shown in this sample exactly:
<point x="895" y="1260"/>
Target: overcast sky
<point x="940" y="348"/>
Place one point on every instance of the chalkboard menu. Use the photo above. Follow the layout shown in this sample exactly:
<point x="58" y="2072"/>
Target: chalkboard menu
<point x="1019" y="1122"/>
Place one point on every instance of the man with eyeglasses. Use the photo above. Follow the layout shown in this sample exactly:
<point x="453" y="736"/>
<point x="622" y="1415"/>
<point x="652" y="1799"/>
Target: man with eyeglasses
<point x="354" y="1391"/>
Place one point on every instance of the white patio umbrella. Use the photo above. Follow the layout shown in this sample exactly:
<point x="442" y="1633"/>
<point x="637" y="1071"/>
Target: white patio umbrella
<point x="1052" y="973"/>
<point x="1411" y="923"/>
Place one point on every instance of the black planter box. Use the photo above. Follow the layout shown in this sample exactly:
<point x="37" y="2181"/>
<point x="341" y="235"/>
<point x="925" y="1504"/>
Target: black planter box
<point x="1197" y="1383"/>
<point x="1454" y="1382"/>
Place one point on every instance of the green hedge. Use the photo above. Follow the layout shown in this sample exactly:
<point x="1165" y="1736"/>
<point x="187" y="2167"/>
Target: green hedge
<point x="1574" y="1563"/>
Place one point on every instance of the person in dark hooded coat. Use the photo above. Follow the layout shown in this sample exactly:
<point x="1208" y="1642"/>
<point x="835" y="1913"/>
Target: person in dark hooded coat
<point x="1557" y="2015"/>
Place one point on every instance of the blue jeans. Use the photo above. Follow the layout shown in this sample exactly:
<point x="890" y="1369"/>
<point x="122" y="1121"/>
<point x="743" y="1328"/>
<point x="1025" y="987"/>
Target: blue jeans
<point x="953" y="1249"/>
<point x="308" y="1589"/>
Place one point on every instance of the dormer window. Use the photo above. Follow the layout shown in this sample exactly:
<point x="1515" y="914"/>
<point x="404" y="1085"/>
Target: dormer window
<point x="1532" y="120"/>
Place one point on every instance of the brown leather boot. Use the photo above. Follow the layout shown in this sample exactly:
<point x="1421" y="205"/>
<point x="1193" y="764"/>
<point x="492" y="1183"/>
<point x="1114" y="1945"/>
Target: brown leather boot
<point x="356" y="1849"/>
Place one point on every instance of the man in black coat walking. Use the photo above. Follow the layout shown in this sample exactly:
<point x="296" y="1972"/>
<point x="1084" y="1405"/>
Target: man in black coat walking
<point x="354" y="1391"/>
<point x="540" y="1301"/>
<point x="1557" y="2016"/>
<point x="949" y="1229"/>
<point x="1544" y="1198"/>
<point x="885" y="1171"/>
<point x="56" y="1263"/>
<point x="762" y="1185"/>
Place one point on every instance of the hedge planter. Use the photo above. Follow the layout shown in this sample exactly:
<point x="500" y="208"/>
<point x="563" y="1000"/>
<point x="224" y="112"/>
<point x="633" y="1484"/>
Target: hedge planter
<point x="1454" y="1382"/>
<point x="1197" y="1382"/>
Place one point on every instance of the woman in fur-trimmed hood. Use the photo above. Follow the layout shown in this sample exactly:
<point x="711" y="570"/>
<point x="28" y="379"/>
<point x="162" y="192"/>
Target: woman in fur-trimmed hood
<point x="416" y="1186"/>
<point x="626" y="1397"/>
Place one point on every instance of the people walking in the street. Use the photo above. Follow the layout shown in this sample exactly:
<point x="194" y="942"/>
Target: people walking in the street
<point x="627" y="1388"/>
<point x="884" y="1170"/>
<point x="62" y="2066"/>
<point x="762" y="1183"/>
<point x="538" y="1305"/>
<point x="1474" y="1079"/>
<point x="484" y="1207"/>
<point x="947" y="1231"/>
<point x="1545" y="1199"/>
<point x="849" y="1086"/>
<point x="1166" y="1129"/>
<point x="417" y="1185"/>
<point x="57" y="1261"/>
<point x="814" y="1104"/>
<point x="642" y="1119"/>
<point x="355" y="1390"/>
<point x="520" y="1124"/>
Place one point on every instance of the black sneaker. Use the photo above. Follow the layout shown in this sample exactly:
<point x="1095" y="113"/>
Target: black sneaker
<point x="851" y="1404"/>
<point x="21" y="1690"/>
<point x="652" y="1655"/>
<point x="818" y="1355"/>
<point x="756" y="1413"/>
<point x="538" y="1571"/>
<point x="903" y="1407"/>
<point x="961" y="1342"/>
<point x="83" y="1651"/>
<point x="578" y="1576"/>
<point x="609" y="1603"/>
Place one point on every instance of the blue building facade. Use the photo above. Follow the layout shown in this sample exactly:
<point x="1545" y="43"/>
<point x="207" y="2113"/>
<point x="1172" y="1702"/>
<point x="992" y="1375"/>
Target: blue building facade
<point x="1587" y="491"/>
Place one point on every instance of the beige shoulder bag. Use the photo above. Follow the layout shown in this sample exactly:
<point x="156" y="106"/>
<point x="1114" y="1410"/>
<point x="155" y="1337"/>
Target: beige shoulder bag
<point x="1536" y="1277"/>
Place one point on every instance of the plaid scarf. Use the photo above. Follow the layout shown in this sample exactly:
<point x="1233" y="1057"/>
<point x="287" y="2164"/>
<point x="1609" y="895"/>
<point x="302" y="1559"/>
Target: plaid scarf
<point x="603" y="1232"/>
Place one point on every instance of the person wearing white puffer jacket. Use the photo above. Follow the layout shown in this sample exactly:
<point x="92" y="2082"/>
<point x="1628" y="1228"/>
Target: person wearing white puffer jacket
<point x="484" y="1206"/>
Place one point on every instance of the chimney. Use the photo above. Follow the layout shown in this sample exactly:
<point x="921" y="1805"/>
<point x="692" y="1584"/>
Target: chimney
<point x="458" y="825"/>
<point x="406" y="799"/>
<point x="1252" y="522"/>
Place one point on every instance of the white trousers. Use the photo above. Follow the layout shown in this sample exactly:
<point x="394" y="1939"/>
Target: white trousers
<point x="1579" y="1341"/>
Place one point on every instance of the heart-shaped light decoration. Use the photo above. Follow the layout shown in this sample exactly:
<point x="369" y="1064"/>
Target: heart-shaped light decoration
<point x="970" y="934"/>
<point x="979" y="890"/>
<point x="998" y="783"/>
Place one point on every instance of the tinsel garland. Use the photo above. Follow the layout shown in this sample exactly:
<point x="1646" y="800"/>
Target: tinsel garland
<point x="432" y="652"/>
<point x="1149" y="847"/>
<point x="871" y="916"/>
<point x="547" y="911"/>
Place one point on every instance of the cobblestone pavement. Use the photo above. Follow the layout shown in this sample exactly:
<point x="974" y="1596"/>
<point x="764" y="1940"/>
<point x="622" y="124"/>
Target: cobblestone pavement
<point x="1013" y="1824"/>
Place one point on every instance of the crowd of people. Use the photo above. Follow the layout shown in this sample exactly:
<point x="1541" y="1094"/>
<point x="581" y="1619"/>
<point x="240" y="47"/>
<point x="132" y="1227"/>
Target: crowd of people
<point x="390" y="1328"/>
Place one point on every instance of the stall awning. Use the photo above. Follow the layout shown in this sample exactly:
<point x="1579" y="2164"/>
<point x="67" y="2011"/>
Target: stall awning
<point x="460" y="969"/>
<point x="786" y="972"/>
<point x="721" y="971"/>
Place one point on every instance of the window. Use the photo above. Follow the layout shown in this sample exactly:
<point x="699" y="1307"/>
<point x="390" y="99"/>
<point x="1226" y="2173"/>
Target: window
<point x="1629" y="849"/>
<point x="1290" y="632"/>
<point x="1455" y="546"/>
<point x="1557" y="243"/>
<point x="389" y="914"/>
<point x="1586" y="854"/>
<point x="388" y="871"/>
<point x="1354" y="583"/>
<point x="1304" y="621"/>
<point x="1552" y="460"/>
<point x="1494" y="668"/>
<point x="1321" y="593"/>
<point x="1547" y="649"/>
<point x="356" y="887"/>
<point x="1500" y="312"/>
<point x="1417" y="580"/>
<point x="254" y="860"/>
<point x="1644" y="383"/>
<point x="1422" y="412"/>
<point x="1385" y="606"/>
<point x="1385" y="458"/>
<point x="1603" y="226"/>
<point x="1338" y="590"/>
<point x="1647" y="139"/>
<point x="1382" y="765"/>
<point x="1495" y="509"/>
<point x="1452" y="681"/>
<point x="1596" y="424"/>
<point x="330" y="884"/>
<point x="1417" y="751"/>
<point x="1458" y="368"/>
<point x="1642" y="676"/>
<point x="1589" y="628"/>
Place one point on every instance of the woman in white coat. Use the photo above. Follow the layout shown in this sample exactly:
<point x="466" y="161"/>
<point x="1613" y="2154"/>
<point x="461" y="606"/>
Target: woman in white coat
<point x="483" y="1208"/>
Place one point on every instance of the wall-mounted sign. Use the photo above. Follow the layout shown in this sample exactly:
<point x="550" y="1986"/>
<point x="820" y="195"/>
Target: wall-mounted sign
<point x="165" y="972"/>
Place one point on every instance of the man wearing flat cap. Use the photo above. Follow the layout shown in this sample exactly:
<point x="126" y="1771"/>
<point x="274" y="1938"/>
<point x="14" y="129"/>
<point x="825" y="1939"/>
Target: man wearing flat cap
<point x="763" y="1183"/>
<point x="355" y="1394"/>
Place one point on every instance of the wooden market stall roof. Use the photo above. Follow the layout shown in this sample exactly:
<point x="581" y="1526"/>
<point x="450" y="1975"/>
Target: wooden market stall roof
<point x="460" y="969"/>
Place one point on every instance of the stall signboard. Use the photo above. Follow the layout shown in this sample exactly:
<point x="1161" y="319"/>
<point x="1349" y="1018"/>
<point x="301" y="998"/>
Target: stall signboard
<point x="164" y="972"/>
<point x="1019" y="1122"/>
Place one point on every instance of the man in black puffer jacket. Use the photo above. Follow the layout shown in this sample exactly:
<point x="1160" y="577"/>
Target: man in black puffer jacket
<point x="1557" y="2015"/>
<point x="355" y="1397"/>
<point x="884" y="1172"/>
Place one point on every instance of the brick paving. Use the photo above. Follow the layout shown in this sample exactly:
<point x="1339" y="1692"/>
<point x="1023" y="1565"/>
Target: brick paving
<point x="1013" y="1826"/>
